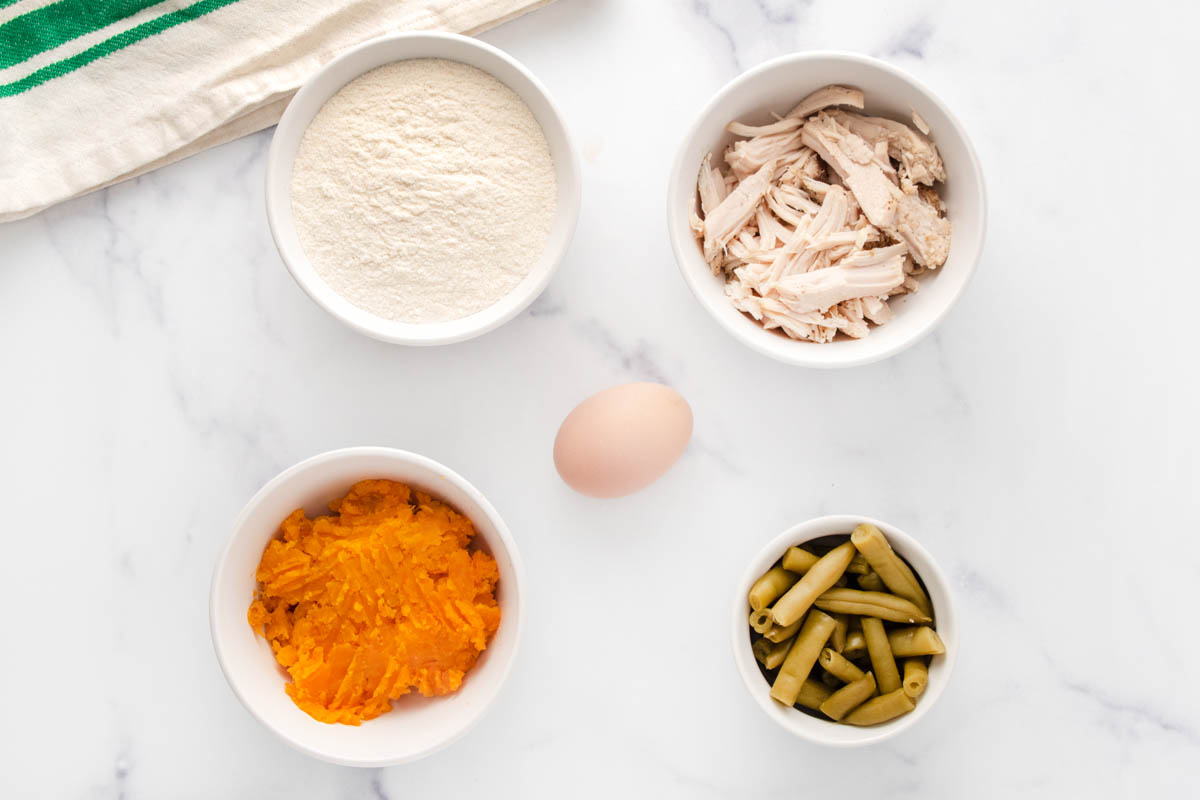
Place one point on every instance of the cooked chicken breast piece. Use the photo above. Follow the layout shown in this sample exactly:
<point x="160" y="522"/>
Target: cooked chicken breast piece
<point x="906" y="217"/>
<point x="728" y="218"/>
<point x="926" y="234"/>
<point x="824" y="98"/>
<point x="823" y="215"/>
<point x="750" y="131"/>
<point x="918" y="157"/>
<point x="861" y="275"/>
<point x="799" y="255"/>
<point x="711" y="185"/>
<point x="694" y="221"/>
<point x="854" y="162"/>
<point x="876" y="309"/>
<point x="747" y="156"/>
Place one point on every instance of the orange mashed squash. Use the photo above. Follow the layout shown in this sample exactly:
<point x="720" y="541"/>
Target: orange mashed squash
<point x="383" y="597"/>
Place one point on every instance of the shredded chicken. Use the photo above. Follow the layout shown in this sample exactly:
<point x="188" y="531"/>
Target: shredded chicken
<point x="822" y="216"/>
<point x="731" y="215"/>
<point x="826" y="97"/>
<point x="917" y="156"/>
<point x="920" y="122"/>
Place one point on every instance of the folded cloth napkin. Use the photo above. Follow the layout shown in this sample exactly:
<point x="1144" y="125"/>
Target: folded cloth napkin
<point x="96" y="91"/>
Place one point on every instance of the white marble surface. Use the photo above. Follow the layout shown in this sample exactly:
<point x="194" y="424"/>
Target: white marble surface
<point x="159" y="365"/>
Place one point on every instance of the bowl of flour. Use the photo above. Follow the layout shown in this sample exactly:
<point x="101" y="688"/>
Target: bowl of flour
<point x="422" y="188"/>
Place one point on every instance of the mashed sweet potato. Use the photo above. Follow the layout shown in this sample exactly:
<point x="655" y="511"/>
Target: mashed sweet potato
<point x="383" y="597"/>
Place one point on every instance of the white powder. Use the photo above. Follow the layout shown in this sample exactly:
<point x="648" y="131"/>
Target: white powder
<point x="423" y="191"/>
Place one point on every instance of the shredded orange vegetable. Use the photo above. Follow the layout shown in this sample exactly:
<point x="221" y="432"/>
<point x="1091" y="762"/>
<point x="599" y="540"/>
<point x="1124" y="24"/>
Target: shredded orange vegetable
<point x="381" y="598"/>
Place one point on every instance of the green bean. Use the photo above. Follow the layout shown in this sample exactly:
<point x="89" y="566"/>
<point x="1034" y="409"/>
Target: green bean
<point x="859" y="565"/>
<point x="838" y="639"/>
<point x="866" y="604"/>
<point x="778" y="653"/>
<point x="761" y="649"/>
<point x="894" y="573"/>
<point x="916" y="675"/>
<point x="880" y="709"/>
<point x="871" y="582"/>
<point x="802" y="656"/>
<point x="883" y="663"/>
<point x="799" y="560"/>
<point x="839" y="666"/>
<point x="856" y="644"/>
<point x="812" y="694"/>
<point x="831" y="680"/>
<point x="779" y="633"/>
<point x="918" y="640"/>
<point x="770" y="654"/>
<point x="760" y="620"/>
<point x="849" y="697"/>
<point x="773" y="583"/>
<point x="798" y="599"/>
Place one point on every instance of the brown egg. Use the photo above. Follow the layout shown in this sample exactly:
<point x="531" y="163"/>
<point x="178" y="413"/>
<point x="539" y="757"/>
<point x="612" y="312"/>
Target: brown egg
<point x="622" y="439"/>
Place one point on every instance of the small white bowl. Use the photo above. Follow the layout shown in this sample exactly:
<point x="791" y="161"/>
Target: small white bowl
<point x="385" y="50"/>
<point x="417" y="726"/>
<point x="890" y="92"/>
<point x="824" y="731"/>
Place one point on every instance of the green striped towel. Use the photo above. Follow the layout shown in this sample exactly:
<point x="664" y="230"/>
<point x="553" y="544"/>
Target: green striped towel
<point x="96" y="91"/>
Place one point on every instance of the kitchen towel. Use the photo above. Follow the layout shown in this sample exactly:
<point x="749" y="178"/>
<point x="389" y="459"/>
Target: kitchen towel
<point x="96" y="91"/>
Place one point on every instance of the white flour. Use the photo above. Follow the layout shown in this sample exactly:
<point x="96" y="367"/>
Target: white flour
<point x="423" y="191"/>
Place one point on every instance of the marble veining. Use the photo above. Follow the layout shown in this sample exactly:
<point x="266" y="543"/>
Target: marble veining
<point x="160" y="365"/>
<point x="910" y="42"/>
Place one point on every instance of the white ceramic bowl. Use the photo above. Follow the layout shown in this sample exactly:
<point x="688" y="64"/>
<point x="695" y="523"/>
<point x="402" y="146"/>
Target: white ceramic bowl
<point x="776" y="86"/>
<point x="824" y="731"/>
<point x="417" y="726"/>
<point x="345" y="68"/>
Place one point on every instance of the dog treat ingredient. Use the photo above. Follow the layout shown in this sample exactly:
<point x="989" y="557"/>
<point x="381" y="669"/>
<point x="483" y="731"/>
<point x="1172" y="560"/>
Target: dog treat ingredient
<point x="798" y="663"/>
<point x="768" y="588"/>
<point x="383" y="597"/>
<point x="892" y="571"/>
<point x="824" y="215"/>
<point x="883" y="662"/>
<point x="916" y="675"/>
<point x="881" y="708"/>
<point x="916" y="641"/>
<point x="869" y="604"/>
<point x="822" y="636"/>
<point x="622" y="439"/>
<point x="819" y="579"/>
<point x="850" y="696"/>
<point x="839" y="666"/>
<point x="423" y="191"/>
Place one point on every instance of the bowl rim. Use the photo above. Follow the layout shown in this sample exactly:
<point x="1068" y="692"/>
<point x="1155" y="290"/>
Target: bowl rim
<point x="405" y="457"/>
<point x="754" y="339"/>
<point x="747" y="667"/>
<point x="424" y="333"/>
